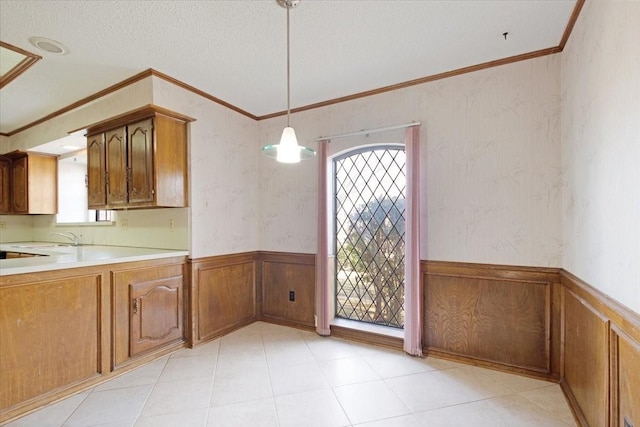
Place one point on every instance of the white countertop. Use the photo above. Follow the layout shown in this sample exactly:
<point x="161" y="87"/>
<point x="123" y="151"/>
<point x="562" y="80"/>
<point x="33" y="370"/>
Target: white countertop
<point x="57" y="256"/>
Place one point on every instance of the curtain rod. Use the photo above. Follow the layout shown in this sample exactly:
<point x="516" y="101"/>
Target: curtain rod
<point x="367" y="131"/>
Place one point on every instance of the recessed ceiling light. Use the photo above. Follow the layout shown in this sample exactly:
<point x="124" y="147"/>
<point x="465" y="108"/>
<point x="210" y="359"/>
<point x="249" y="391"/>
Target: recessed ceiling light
<point x="49" y="45"/>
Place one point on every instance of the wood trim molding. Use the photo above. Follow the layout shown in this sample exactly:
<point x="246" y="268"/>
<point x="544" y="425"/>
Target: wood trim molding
<point x="414" y="82"/>
<point x="288" y="257"/>
<point x="202" y="93"/>
<point x="573" y="404"/>
<point x="83" y="101"/>
<point x="626" y="320"/>
<point x="131" y="116"/>
<point x="419" y="81"/>
<point x="571" y="24"/>
<point x="21" y="67"/>
<point x="491" y="271"/>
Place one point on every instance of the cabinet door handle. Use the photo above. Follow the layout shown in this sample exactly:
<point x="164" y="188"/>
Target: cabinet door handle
<point x="135" y="306"/>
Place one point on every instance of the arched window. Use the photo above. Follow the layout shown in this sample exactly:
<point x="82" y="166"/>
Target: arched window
<point x="369" y="226"/>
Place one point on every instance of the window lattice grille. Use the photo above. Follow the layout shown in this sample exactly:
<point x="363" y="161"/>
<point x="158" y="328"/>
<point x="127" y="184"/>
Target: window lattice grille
<point x="369" y="236"/>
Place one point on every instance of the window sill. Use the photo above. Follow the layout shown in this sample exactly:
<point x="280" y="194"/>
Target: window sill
<point x="369" y="328"/>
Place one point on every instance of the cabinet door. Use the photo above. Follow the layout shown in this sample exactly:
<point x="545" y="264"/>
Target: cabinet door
<point x="96" y="172"/>
<point x="156" y="314"/>
<point x="141" y="188"/>
<point x="5" y="186"/>
<point x="19" y="189"/>
<point x="116" y="149"/>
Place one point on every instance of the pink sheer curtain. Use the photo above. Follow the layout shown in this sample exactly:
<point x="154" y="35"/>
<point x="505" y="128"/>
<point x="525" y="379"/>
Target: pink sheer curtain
<point x="412" y="290"/>
<point x="322" y="263"/>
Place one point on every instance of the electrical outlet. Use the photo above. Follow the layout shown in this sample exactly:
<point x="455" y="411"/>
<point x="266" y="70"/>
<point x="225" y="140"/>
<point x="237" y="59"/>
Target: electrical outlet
<point x="627" y="423"/>
<point x="124" y="223"/>
<point x="292" y="296"/>
<point x="171" y="224"/>
<point x="3" y="225"/>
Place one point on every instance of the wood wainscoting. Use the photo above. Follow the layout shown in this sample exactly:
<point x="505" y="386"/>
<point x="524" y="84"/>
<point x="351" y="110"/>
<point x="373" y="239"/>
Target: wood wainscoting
<point x="600" y="356"/>
<point x="492" y="315"/>
<point x="287" y="277"/>
<point x="231" y="291"/>
<point x="224" y="295"/>
<point x="540" y="322"/>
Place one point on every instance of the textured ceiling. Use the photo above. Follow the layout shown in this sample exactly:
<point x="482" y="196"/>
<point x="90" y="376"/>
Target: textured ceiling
<point x="236" y="50"/>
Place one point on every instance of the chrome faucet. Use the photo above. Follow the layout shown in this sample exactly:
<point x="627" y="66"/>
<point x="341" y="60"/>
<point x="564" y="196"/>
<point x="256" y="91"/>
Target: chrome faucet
<point x="69" y="235"/>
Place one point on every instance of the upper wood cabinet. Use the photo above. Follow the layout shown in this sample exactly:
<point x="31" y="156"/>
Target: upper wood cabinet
<point x="138" y="160"/>
<point x="29" y="183"/>
<point x="5" y="185"/>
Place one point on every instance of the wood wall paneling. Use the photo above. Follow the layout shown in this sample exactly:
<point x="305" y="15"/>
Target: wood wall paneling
<point x="585" y="360"/>
<point x="502" y="316"/>
<point x="50" y="336"/>
<point x="625" y="379"/>
<point x="278" y="280"/>
<point x="556" y="322"/>
<point x="224" y="295"/>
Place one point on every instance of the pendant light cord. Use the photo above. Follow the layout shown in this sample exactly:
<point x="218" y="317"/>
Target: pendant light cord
<point x="288" y="73"/>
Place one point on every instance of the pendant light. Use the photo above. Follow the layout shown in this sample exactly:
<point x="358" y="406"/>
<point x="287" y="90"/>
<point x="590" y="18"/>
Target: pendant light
<point x="288" y="151"/>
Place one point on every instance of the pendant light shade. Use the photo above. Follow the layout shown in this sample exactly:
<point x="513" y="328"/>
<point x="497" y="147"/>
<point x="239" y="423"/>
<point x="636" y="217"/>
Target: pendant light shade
<point x="288" y="150"/>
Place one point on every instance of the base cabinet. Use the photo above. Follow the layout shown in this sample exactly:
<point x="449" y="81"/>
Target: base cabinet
<point x="147" y="311"/>
<point x="50" y="337"/>
<point x="62" y="331"/>
<point x="156" y="314"/>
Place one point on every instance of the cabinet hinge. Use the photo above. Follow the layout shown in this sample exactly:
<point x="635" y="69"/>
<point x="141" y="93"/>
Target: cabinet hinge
<point x="135" y="306"/>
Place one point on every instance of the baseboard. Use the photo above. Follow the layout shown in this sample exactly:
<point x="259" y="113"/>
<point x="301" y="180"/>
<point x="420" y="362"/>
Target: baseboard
<point x="367" y="337"/>
<point x="578" y="416"/>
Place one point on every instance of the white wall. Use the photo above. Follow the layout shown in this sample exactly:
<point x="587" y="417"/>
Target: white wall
<point x="601" y="149"/>
<point x="223" y="173"/>
<point x="16" y="228"/>
<point x="491" y="174"/>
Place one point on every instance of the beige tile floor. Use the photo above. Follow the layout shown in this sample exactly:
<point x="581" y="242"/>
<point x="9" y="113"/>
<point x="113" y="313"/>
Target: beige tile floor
<point x="269" y="375"/>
